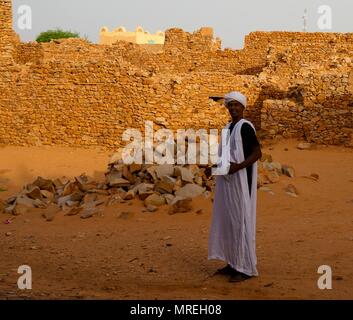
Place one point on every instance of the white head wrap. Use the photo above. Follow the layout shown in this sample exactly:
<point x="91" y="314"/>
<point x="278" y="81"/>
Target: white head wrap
<point x="235" y="96"/>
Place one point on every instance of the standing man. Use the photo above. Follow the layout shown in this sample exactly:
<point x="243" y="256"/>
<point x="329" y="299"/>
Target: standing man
<point x="233" y="229"/>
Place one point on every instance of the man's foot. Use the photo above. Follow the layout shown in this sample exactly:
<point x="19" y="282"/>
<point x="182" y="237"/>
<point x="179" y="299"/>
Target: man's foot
<point x="238" y="277"/>
<point x="227" y="270"/>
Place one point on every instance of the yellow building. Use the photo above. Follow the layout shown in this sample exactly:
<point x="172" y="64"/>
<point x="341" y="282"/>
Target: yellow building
<point x="139" y="36"/>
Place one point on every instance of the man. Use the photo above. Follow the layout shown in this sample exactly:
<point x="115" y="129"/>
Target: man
<point x="232" y="234"/>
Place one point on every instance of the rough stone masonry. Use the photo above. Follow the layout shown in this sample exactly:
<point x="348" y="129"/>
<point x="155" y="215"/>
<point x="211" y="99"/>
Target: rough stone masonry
<point x="75" y="93"/>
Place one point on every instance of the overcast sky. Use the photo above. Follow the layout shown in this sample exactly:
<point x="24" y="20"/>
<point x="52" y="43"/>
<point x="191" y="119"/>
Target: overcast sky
<point x="231" y="19"/>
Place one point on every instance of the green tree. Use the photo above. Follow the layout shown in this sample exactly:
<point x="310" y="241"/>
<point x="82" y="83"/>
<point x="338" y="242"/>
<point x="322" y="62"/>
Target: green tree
<point x="49" y="35"/>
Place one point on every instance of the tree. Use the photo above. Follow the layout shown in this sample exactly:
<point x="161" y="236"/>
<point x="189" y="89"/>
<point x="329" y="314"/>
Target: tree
<point x="49" y="35"/>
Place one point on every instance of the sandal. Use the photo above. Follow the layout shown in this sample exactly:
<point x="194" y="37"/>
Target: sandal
<point x="238" y="277"/>
<point x="227" y="270"/>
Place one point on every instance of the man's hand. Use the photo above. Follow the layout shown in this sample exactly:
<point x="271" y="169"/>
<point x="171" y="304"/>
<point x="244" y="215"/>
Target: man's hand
<point x="234" y="167"/>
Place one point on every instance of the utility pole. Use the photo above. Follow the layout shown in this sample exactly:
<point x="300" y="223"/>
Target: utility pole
<point x="305" y="20"/>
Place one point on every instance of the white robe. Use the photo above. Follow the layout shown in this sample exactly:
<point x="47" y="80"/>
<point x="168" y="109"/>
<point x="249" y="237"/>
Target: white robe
<point x="233" y="228"/>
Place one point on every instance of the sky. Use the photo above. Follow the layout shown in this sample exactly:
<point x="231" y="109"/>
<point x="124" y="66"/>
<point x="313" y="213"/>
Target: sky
<point x="231" y="19"/>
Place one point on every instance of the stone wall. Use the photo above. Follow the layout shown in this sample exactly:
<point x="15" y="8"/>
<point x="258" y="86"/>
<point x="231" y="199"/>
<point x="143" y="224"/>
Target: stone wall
<point x="72" y="92"/>
<point x="315" y="79"/>
<point x="7" y="36"/>
<point x="91" y="102"/>
<point x="319" y="124"/>
<point x="6" y="16"/>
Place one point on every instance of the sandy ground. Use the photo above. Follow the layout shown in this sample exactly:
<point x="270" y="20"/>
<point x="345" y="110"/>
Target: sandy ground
<point x="159" y="256"/>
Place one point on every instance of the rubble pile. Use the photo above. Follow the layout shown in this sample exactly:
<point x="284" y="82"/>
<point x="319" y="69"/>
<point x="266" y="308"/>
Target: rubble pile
<point x="269" y="171"/>
<point x="155" y="185"/>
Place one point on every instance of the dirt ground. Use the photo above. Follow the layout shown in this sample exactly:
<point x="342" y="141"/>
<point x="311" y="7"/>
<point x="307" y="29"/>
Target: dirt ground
<point x="161" y="256"/>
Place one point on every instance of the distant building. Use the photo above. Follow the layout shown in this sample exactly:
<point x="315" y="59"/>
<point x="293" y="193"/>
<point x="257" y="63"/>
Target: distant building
<point x="139" y="36"/>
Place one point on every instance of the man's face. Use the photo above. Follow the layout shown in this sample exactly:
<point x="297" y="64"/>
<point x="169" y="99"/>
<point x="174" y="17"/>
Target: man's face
<point x="235" y="109"/>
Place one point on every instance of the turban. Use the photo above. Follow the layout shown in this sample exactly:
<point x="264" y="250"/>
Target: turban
<point x="235" y="96"/>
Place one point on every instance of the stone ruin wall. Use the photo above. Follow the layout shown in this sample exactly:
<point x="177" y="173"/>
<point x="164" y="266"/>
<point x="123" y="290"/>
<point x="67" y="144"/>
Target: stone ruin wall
<point x="71" y="92"/>
<point x="8" y="38"/>
<point x="311" y="89"/>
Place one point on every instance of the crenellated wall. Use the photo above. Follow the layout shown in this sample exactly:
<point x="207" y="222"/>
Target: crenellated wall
<point x="139" y="36"/>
